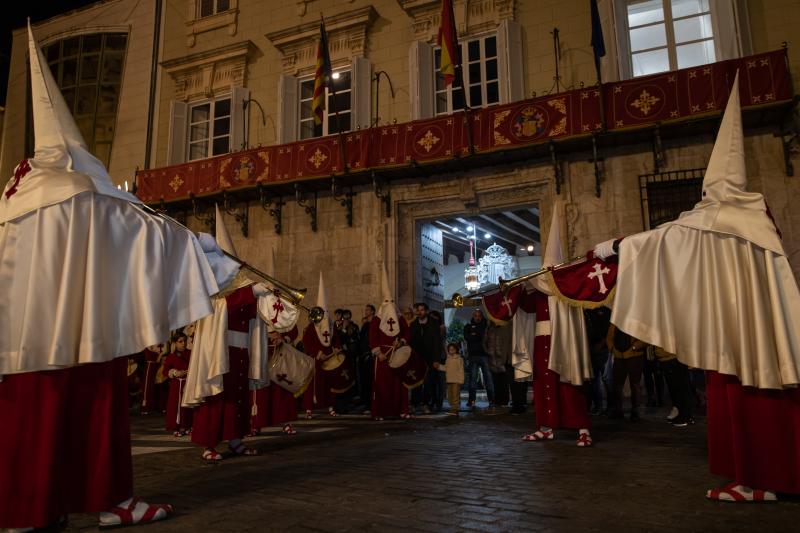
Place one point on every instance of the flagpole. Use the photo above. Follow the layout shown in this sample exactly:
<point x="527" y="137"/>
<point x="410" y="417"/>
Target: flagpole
<point x="342" y="147"/>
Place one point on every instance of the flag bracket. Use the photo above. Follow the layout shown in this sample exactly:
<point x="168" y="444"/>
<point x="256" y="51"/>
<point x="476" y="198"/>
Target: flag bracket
<point x="273" y="206"/>
<point x="197" y="211"/>
<point x="241" y="215"/>
<point x="383" y="195"/>
<point x="598" y="163"/>
<point x="345" y="201"/>
<point x="310" y="208"/>
<point x="556" y="166"/>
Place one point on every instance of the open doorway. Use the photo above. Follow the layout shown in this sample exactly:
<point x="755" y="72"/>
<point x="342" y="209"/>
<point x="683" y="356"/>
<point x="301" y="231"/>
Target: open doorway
<point x="501" y="243"/>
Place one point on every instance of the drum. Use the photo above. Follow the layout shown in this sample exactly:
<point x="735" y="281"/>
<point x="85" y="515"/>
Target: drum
<point x="410" y="367"/>
<point x="339" y="373"/>
<point x="291" y="369"/>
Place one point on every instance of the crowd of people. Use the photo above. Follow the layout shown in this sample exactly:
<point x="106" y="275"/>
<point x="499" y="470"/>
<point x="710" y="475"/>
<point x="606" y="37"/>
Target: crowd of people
<point x="478" y="359"/>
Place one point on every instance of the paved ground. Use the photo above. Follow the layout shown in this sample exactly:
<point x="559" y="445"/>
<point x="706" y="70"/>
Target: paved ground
<point x="444" y="474"/>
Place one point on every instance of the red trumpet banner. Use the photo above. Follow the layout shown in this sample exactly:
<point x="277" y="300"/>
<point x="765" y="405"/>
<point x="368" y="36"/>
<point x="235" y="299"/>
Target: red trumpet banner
<point x="590" y="283"/>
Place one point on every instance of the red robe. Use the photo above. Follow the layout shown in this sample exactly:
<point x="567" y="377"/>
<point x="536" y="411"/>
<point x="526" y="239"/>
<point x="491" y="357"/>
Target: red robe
<point x="557" y="404"/>
<point x="226" y="415"/>
<point x="273" y="405"/>
<point x="389" y="395"/>
<point x="753" y="434"/>
<point x="319" y="388"/>
<point x="177" y="417"/>
<point x="66" y="445"/>
<point x="154" y="398"/>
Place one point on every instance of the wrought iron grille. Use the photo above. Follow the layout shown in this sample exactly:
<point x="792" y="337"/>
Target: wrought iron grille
<point x="665" y="195"/>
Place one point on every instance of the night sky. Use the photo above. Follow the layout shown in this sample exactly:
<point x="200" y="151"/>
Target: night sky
<point x="15" y="16"/>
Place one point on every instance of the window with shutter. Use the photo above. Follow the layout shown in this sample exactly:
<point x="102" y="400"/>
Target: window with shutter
<point x="338" y="113"/>
<point x="480" y="60"/>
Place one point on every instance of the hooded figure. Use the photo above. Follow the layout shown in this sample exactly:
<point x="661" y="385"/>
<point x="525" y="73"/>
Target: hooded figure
<point x="320" y="341"/>
<point x="87" y="277"/>
<point x="561" y="360"/>
<point x="222" y="362"/>
<point x="387" y="331"/>
<point x="715" y="288"/>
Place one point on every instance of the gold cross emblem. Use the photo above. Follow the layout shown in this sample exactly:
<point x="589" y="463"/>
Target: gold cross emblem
<point x="317" y="158"/>
<point x="428" y="141"/>
<point x="176" y="183"/>
<point x="645" y="102"/>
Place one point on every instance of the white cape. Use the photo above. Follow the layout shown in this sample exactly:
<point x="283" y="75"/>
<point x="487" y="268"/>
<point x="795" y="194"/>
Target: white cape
<point x="522" y="345"/>
<point x="210" y="361"/>
<point x="717" y="301"/>
<point x="93" y="278"/>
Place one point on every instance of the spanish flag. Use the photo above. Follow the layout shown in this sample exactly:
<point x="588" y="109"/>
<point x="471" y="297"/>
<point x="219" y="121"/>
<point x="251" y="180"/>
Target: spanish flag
<point x="323" y="76"/>
<point x="448" y="40"/>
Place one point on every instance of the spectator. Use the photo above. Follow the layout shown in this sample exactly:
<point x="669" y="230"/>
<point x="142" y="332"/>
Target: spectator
<point x="474" y="333"/>
<point x="453" y="369"/>
<point x="597" y="323"/>
<point x="677" y="377"/>
<point x="426" y="340"/>
<point x="366" y="364"/>
<point x="628" y="355"/>
<point x="497" y="345"/>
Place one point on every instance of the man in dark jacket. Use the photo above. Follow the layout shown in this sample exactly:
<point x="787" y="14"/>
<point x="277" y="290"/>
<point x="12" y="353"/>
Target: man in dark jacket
<point x="474" y="334"/>
<point x="426" y="340"/>
<point x="366" y="366"/>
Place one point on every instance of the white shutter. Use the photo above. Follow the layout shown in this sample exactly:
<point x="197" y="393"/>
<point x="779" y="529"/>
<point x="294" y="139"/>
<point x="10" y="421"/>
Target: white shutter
<point x="620" y="37"/>
<point x="509" y="51"/>
<point x="362" y="93"/>
<point x="239" y="122"/>
<point x="421" y="80"/>
<point x="288" y="106"/>
<point x="177" y="132"/>
<point x="728" y="37"/>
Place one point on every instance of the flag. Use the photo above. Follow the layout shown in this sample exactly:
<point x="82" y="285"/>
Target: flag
<point x="323" y="76"/>
<point x="598" y="44"/>
<point x="448" y="40"/>
<point x="590" y="283"/>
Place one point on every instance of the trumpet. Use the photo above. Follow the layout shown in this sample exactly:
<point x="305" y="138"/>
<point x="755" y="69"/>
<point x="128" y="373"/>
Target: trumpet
<point x="315" y="314"/>
<point x="458" y="301"/>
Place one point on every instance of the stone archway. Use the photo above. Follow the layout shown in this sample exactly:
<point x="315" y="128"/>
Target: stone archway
<point x="467" y="195"/>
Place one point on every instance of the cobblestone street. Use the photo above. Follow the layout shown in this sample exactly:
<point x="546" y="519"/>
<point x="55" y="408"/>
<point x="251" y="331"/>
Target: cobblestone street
<point x="443" y="474"/>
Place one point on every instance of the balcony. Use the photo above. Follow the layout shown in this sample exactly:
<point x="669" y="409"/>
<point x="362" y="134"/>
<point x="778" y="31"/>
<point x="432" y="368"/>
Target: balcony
<point x="673" y="104"/>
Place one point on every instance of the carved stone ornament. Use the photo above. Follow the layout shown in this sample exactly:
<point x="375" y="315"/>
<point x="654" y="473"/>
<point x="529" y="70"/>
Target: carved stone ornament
<point x="495" y="264"/>
<point x="225" y="19"/>
<point x="472" y="16"/>
<point x="347" y="38"/>
<point x="201" y="75"/>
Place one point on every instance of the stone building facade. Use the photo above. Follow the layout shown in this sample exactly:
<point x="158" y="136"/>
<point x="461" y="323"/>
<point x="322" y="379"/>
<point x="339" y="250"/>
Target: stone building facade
<point x="263" y="53"/>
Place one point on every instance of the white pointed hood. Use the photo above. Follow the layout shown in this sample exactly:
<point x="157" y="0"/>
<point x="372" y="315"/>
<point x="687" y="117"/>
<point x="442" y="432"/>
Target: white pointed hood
<point x="323" y="327"/>
<point x="387" y="312"/>
<point x="727" y="207"/>
<point x="223" y="237"/>
<point x="62" y="166"/>
<point x="553" y="250"/>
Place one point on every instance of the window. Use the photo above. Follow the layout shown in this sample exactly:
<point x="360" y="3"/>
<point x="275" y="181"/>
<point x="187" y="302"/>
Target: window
<point x="479" y="57"/>
<point x="669" y="34"/>
<point x="665" y="195"/>
<point x="88" y="69"/>
<point x="331" y="122"/>
<point x="206" y="8"/>
<point x="209" y="129"/>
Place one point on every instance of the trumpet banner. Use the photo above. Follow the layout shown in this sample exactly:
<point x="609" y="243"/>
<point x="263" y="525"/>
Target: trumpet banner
<point x="500" y="306"/>
<point x="590" y="283"/>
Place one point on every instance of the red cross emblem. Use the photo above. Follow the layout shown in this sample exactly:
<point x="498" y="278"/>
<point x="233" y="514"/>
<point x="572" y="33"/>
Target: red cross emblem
<point x="325" y="336"/>
<point x="278" y="307"/>
<point x="23" y="168"/>
<point x="391" y="323"/>
<point x="282" y="377"/>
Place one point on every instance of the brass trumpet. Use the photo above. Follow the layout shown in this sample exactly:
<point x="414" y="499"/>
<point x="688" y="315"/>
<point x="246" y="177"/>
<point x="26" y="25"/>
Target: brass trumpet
<point x="458" y="301"/>
<point x="315" y="314"/>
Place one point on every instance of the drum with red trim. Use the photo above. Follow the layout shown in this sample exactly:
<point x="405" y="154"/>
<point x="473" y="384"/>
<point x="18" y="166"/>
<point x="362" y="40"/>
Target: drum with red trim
<point x="409" y="365"/>
<point x="339" y="373"/>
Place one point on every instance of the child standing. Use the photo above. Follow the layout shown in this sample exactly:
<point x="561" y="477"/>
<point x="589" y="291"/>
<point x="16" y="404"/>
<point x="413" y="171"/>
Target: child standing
<point x="453" y="368"/>
<point x="176" y="366"/>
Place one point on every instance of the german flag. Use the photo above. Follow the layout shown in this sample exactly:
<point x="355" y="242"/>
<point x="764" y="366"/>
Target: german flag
<point x="323" y="76"/>
<point x="448" y="40"/>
